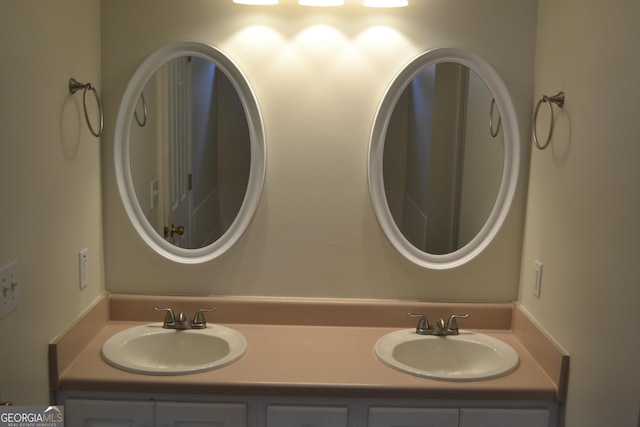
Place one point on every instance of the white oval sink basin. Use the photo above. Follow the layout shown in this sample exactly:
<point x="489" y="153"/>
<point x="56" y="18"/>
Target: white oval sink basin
<point x="469" y="356"/>
<point x="152" y="350"/>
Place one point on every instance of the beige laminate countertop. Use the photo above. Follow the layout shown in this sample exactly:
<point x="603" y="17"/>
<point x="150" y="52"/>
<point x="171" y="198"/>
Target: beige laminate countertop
<point x="302" y="360"/>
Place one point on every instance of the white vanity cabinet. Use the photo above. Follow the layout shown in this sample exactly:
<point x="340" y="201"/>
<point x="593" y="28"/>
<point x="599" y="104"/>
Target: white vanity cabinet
<point x="96" y="409"/>
<point x="137" y="413"/>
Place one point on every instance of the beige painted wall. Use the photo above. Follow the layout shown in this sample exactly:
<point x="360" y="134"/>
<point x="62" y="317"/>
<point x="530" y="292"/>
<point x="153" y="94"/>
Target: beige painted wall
<point x="319" y="75"/>
<point x="50" y="192"/>
<point x="583" y="199"/>
<point x="584" y="205"/>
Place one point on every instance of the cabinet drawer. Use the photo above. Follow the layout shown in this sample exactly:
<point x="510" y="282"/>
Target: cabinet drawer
<point x="504" y="417"/>
<point x="185" y="414"/>
<point x="307" y="416"/>
<point x="108" y="413"/>
<point x="413" y="417"/>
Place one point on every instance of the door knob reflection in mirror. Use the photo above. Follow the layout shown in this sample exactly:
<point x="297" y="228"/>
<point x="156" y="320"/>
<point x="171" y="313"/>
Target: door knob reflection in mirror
<point x="170" y="231"/>
<point x="202" y="65"/>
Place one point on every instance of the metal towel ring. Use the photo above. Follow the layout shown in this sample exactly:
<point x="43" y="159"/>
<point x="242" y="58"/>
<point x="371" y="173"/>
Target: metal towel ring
<point x="491" y="131"/>
<point x="75" y="86"/>
<point x="144" y="112"/>
<point x="557" y="99"/>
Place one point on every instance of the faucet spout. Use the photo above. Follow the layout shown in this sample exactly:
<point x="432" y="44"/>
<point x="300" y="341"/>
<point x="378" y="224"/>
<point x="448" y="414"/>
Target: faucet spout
<point x="182" y="322"/>
<point x="440" y="328"/>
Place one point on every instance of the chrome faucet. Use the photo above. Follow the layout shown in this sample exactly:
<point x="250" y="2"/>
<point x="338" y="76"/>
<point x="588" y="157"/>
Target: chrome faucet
<point x="440" y="329"/>
<point x="181" y="322"/>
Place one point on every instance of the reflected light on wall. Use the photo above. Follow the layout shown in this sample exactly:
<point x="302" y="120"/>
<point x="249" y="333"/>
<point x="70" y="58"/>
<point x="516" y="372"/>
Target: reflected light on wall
<point x="321" y="3"/>
<point x="320" y="42"/>
<point x="257" y="2"/>
<point x="382" y="38"/>
<point x="386" y="3"/>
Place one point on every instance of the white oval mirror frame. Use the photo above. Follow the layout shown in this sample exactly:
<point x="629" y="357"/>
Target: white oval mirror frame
<point x="123" y="162"/>
<point x="510" y="166"/>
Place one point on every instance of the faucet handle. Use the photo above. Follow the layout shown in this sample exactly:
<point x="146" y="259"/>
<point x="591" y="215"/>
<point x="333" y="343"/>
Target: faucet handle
<point x="453" y="325"/>
<point x="169" y="318"/>
<point x="198" y="319"/>
<point x="423" y="327"/>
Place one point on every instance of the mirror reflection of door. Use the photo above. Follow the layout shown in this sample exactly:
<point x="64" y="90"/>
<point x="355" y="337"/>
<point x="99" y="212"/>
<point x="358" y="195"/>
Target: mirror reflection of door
<point x="193" y="156"/>
<point x="442" y="168"/>
<point x="177" y="209"/>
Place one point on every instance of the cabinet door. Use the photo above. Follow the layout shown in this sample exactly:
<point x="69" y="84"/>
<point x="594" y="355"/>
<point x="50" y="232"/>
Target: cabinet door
<point x="413" y="417"/>
<point x="185" y="414"/>
<point x="307" y="416"/>
<point x="504" y="417"/>
<point x="107" y="413"/>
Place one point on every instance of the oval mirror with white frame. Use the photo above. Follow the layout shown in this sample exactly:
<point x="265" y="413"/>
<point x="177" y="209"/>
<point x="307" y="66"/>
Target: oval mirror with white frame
<point x="189" y="152"/>
<point x="443" y="158"/>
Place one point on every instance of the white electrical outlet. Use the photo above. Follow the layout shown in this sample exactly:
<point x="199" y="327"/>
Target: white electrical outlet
<point x="9" y="289"/>
<point x="83" y="267"/>
<point x="537" y="283"/>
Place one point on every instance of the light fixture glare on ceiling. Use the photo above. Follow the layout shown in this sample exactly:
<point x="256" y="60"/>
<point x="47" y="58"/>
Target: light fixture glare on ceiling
<point x="321" y="3"/>
<point x="257" y="2"/>
<point x="386" y="3"/>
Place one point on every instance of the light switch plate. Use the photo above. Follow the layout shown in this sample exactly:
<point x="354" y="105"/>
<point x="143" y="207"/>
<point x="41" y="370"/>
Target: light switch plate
<point x="83" y="267"/>
<point x="9" y="289"/>
<point x="537" y="284"/>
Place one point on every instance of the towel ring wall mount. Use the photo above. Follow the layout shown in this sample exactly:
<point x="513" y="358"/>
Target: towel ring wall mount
<point x="557" y="99"/>
<point x="75" y="86"/>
